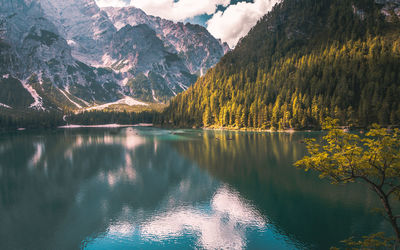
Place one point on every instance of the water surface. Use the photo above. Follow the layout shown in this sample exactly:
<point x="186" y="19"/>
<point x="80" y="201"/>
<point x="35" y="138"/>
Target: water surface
<point x="147" y="188"/>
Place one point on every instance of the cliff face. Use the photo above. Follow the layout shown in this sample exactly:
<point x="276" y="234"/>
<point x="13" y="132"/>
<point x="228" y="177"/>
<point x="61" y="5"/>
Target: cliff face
<point x="86" y="28"/>
<point x="93" y="35"/>
<point x="36" y="55"/>
<point x="74" y="54"/>
<point x="152" y="73"/>
<point x="193" y="43"/>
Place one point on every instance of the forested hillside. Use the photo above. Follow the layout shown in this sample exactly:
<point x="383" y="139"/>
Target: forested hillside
<point x="304" y="61"/>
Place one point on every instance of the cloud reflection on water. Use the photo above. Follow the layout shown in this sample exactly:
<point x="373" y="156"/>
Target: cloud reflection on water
<point x="220" y="225"/>
<point x="150" y="188"/>
<point x="37" y="156"/>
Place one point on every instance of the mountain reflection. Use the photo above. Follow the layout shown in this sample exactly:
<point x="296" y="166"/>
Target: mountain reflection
<point x="73" y="186"/>
<point x="151" y="188"/>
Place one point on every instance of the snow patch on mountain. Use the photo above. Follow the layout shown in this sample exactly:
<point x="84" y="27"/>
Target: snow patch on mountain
<point x="69" y="99"/>
<point x="83" y="101"/>
<point x="5" y="106"/>
<point x="38" y="103"/>
<point x="154" y="95"/>
<point x="101" y="55"/>
<point x="127" y="100"/>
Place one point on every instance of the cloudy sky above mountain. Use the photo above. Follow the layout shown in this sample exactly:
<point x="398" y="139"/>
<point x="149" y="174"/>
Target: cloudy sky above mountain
<point x="228" y="20"/>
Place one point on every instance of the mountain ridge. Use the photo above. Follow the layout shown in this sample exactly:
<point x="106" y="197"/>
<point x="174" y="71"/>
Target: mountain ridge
<point x="66" y="52"/>
<point x="314" y="59"/>
<point x="172" y="32"/>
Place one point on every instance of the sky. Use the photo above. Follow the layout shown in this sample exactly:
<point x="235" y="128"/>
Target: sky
<point x="228" y="20"/>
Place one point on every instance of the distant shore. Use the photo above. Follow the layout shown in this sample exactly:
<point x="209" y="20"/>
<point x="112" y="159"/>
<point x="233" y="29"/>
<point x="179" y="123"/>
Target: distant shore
<point x="290" y="130"/>
<point x="261" y="130"/>
<point x="108" y="125"/>
<point x="241" y="129"/>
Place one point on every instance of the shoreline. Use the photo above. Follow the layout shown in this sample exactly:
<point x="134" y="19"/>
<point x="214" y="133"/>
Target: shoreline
<point x="233" y="129"/>
<point x="240" y="129"/>
<point x="290" y="131"/>
<point x="107" y="126"/>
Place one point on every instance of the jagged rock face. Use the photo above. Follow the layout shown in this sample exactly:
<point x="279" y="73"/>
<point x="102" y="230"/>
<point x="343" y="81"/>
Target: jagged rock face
<point x="90" y="32"/>
<point x="30" y="40"/>
<point x="86" y="28"/>
<point x="97" y="38"/>
<point x="34" y="54"/>
<point x="135" y="48"/>
<point x="35" y="44"/>
<point x="193" y="43"/>
<point x="74" y="54"/>
<point x="138" y="51"/>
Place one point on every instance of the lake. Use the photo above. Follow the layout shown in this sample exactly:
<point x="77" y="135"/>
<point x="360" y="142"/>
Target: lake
<point x="148" y="188"/>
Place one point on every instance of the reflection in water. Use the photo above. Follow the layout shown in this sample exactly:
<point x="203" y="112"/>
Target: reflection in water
<point x="260" y="167"/>
<point x="39" y="150"/>
<point x="150" y="188"/>
<point x="224" y="226"/>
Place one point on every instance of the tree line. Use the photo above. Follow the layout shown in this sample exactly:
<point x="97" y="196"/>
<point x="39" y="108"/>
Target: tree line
<point x="304" y="61"/>
<point x="52" y="119"/>
<point x="110" y="117"/>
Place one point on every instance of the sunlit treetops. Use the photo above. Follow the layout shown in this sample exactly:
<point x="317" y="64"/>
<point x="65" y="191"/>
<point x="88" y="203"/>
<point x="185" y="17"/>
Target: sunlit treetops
<point x="304" y="61"/>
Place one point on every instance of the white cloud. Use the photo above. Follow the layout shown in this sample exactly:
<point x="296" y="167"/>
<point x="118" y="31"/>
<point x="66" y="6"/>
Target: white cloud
<point x="229" y="25"/>
<point x="178" y="11"/>
<point x="112" y="3"/>
<point x="237" y="20"/>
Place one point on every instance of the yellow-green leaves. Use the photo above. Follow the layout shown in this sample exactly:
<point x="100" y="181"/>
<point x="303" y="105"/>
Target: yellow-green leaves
<point x="373" y="241"/>
<point x="345" y="157"/>
<point x="375" y="160"/>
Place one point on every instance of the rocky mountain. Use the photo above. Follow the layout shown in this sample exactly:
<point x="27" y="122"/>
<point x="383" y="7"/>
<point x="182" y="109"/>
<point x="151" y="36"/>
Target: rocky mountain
<point x="193" y="43"/>
<point x="84" y="25"/>
<point x="36" y="57"/>
<point x="96" y="35"/>
<point x="152" y="72"/>
<point x="71" y="54"/>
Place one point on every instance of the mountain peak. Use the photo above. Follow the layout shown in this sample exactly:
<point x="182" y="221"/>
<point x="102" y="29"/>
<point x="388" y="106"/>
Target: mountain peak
<point x="199" y="49"/>
<point x="74" y="54"/>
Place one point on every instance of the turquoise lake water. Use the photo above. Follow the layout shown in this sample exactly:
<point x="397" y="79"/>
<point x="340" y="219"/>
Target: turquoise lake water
<point x="148" y="188"/>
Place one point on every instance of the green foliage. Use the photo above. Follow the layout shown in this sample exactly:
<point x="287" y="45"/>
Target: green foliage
<point x="41" y="119"/>
<point x="304" y="61"/>
<point x="142" y="87"/>
<point x="373" y="241"/>
<point x="9" y="119"/>
<point x="30" y="120"/>
<point x="13" y="94"/>
<point x="51" y="95"/>
<point x="345" y="157"/>
<point x="374" y="160"/>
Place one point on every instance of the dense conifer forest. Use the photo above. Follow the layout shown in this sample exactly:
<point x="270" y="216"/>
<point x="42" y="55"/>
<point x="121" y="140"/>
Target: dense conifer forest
<point x="32" y="119"/>
<point x="42" y="119"/>
<point x="113" y="117"/>
<point x="304" y="61"/>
